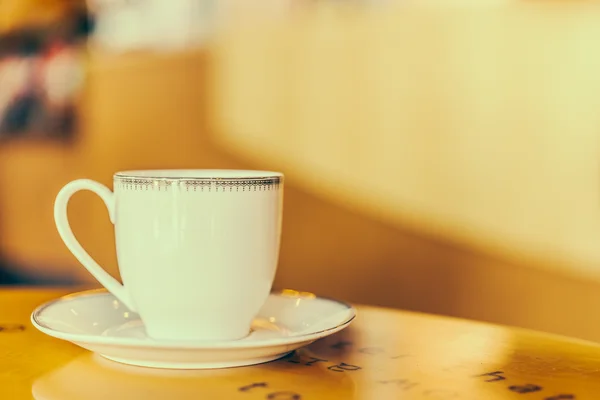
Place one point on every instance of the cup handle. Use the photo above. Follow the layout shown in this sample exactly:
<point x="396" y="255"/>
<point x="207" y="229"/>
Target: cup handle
<point x="64" y="230"/>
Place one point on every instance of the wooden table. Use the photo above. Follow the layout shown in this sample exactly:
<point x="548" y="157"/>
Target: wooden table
<point x="384" y="354"/>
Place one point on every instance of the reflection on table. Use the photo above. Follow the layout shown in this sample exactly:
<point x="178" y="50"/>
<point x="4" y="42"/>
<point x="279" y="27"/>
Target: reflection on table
<point x="385" y="354"/>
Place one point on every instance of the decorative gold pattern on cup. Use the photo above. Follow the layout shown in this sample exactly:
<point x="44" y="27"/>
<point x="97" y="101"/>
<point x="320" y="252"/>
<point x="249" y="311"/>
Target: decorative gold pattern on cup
<point x="199" y="184"/>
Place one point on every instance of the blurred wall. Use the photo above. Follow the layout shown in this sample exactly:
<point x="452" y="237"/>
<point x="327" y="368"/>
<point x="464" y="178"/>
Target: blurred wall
<point x="466" y="127"/>
<point x="479" y="124"/>
<point x="150" y="111"/>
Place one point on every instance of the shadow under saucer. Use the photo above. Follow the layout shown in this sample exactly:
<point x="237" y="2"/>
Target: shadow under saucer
<point x="92" y="377"/>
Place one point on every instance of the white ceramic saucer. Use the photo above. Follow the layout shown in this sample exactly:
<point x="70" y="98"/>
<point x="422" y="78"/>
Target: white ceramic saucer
<point x="97" y="321"/>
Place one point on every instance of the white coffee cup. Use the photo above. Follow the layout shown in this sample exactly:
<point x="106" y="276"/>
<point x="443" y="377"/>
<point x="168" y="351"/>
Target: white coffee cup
<point x="197" y="249"/>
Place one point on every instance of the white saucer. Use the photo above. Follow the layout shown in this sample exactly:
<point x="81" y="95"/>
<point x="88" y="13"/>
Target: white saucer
<point x="97" y="321"/>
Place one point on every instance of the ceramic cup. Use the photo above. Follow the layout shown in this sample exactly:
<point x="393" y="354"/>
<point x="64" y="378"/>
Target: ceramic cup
<point x="197" y="249"/>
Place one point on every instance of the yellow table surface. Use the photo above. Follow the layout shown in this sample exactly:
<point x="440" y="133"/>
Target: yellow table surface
<point x="384" y="354"/>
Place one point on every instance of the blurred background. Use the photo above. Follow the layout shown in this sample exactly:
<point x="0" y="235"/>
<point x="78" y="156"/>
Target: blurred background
<point x="442" y="157"/>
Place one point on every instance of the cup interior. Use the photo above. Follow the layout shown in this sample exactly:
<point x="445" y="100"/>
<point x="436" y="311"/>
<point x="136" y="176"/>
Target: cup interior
<point x="236" y="174"/>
